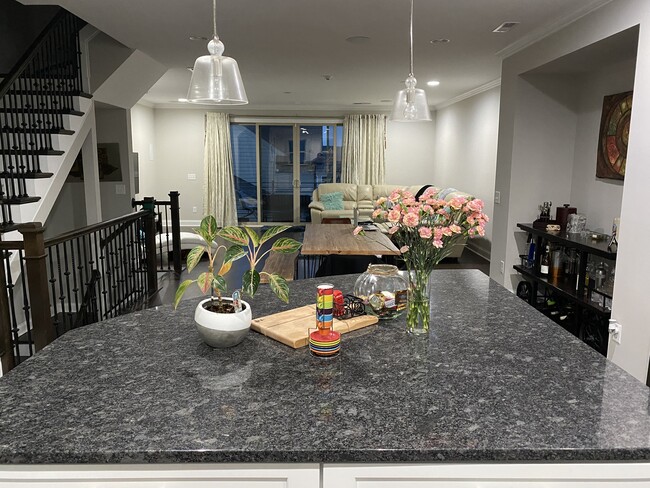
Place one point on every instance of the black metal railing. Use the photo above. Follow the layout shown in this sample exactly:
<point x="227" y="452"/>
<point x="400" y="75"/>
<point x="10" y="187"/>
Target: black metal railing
<point x="48" y="287"/>
<point x="168" y="231"/>
<point x="34" y="98"/>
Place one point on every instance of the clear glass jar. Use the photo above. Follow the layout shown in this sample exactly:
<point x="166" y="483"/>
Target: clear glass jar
<point x="383" y="291"/>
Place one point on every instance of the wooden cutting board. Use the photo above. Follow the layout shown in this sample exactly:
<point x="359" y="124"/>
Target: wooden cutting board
<point x="292" y="326"/>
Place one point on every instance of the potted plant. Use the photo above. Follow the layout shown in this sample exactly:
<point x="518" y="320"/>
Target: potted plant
<point x="222" y="322"/>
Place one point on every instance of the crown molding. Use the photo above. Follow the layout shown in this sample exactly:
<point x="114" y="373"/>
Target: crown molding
<point x="469" y="94"/>
<point x="551" y="28"/>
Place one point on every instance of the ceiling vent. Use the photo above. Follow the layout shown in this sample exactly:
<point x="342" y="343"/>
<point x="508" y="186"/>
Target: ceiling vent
<point x="506" y="26"/>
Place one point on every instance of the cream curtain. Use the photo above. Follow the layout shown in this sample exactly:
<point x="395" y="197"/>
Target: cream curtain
<point x="218" y="182"/>
<point x="364" y="143"/>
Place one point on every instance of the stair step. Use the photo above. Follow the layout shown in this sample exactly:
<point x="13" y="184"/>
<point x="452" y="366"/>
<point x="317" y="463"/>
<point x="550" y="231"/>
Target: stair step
<point x="28" y="152"/>
<point x="30" y="175"/>
<point x="31" y="130"/>
<point x="19" y="200"/>
<point x="62" y="111"/>
<point x="36" y="91"/>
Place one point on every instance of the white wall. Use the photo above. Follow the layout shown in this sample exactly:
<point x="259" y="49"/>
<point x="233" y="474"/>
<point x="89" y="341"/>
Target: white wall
<point x="114" y="125"/>
<point x="599" y="199"/>
<point x="143" y="135"/>
<point x="465" y="151"/>
<point x="513" y="177"/>
<point x="410" y="153"/>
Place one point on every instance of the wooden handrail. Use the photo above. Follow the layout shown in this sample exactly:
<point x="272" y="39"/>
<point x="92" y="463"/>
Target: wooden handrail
<point x="94" y="227"/>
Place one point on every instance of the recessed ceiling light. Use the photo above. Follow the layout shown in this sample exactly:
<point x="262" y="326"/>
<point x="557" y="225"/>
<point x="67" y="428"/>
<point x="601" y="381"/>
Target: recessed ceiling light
<point x="442" y="40"/>
<point x="198" y="38"/>
<point x="433" y="83"/>
<point x="357" y="39"/>
<point x="182" y="100"/>
<point x="505" y="27"/>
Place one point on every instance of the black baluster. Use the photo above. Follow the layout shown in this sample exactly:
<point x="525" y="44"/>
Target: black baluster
<point x="26" y="307"/>
<point x="53" y="298"/>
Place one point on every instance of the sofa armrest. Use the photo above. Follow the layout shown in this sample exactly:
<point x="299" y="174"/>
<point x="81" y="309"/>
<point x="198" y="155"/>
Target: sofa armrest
<point x="317" y="206"/>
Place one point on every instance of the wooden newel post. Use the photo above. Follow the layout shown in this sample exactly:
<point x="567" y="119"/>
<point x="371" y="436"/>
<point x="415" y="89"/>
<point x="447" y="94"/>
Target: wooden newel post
<point x="6" y="354"/>
<point x="39" y="298"/>
<point x="150" y="244"/>
<point x="176" y="231"/>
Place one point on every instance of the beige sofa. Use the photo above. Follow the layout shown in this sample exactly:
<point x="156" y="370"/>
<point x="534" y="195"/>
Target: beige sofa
<point x="363" y="197"/>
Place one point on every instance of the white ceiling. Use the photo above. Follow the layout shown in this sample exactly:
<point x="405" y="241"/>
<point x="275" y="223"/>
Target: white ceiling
<point x="288" y="45"/>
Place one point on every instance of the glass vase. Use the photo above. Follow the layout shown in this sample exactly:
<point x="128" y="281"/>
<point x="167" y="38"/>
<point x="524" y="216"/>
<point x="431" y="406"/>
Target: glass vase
<point x="418" y="315"/>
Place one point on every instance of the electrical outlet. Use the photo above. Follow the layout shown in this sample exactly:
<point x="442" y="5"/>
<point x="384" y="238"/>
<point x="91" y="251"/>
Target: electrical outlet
<point x="497" y="197"/>
<point x="194" y="210"/>
<point x="502" y="267"/>
<point x="615" y="330"/>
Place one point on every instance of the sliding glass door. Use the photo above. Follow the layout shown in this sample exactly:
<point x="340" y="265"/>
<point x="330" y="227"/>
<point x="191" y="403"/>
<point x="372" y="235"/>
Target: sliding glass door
<point x="278" y="166"/>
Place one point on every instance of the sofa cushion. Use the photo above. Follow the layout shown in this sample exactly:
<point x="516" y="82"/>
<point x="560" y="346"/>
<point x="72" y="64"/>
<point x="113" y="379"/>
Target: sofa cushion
<point x="364" y="192"/>
<point x="332" y="201"/>
<point x="348" y="190"/>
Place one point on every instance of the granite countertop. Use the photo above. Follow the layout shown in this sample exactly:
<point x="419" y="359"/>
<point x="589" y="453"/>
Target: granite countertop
<point x="494" y="381"/>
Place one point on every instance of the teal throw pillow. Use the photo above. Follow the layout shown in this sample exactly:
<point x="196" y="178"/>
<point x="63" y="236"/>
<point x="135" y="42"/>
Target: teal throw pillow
<point x="332" y="201"/>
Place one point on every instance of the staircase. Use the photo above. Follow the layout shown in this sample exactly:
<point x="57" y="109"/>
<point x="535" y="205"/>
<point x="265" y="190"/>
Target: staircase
<point x="44" y="118"/>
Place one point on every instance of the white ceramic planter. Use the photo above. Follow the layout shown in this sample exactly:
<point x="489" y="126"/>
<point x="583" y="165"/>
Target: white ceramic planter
<point x="222" y="329"/>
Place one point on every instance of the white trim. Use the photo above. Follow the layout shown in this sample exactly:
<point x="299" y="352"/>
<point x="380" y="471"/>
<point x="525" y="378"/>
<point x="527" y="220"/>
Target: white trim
<point x="548" y="29"/>
<point x="471" y="93"/>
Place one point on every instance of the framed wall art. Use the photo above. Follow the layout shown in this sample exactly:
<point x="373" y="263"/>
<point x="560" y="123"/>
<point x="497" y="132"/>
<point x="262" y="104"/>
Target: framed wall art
<point x="614" y="135"/>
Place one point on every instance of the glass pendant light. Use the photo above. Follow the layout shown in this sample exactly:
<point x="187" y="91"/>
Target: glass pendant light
<point x="215" y="78"/>
<point x="410" y="104"/>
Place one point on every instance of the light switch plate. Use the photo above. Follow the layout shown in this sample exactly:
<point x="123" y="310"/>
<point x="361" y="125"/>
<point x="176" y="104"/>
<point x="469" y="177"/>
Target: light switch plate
<point x="191" y="176"/>
<point x="120" y="189"/>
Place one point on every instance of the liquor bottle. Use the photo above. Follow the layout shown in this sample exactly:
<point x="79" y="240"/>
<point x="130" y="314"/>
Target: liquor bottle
<point x="545" y="262"/>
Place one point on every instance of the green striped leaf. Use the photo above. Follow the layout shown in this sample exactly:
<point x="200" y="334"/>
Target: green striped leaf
<point x="234" y="235"/>
<point x="250" y="281"/>
<point x="205" y="281"/>
<point x="209" y="227"/>
<point x="273" y="231"/>
<point x="180" y="291"/>
<point x="218" y="283"/>
<point x="280" y="287"/>
<point x="193" y="257"/>
<point x="286" y="245"/>
<point x="253" y="235"/>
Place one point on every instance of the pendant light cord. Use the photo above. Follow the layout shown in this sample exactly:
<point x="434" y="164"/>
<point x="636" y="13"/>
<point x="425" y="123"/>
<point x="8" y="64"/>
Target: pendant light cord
<point x="214" y="20"/>
<point x="411" y="36"/>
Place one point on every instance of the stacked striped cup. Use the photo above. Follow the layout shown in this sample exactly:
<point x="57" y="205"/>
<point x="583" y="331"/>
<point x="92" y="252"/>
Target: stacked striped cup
<point x="325" y="341"/>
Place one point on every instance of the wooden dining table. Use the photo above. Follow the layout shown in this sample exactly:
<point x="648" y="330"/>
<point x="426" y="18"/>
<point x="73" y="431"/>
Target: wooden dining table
<point x="327" y="239"/>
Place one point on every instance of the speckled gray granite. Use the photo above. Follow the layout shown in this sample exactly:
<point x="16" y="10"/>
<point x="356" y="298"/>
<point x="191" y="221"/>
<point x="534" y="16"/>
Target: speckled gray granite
<point x="494" y="381"/>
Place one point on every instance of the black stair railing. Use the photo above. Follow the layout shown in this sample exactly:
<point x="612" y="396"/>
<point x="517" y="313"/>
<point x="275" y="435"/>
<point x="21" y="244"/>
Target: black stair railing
<point x="168" y="230"/>
<point x="34" y="98"/>
<point x="48" y="287"/>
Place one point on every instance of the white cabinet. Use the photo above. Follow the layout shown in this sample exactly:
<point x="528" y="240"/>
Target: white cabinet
<point x="632" y="475"/>
<point x="163" y="476"/>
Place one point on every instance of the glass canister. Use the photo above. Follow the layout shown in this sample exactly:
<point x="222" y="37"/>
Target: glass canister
<point x="383" y="291"/>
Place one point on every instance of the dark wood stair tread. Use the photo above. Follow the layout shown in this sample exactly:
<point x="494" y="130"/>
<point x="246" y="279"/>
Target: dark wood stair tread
<point x="38" y="112"/>
<point x="29" y="152"/>
<point x="30" y="175"/>
<point x="32" y="130"/>
<point x="19" y="200"/>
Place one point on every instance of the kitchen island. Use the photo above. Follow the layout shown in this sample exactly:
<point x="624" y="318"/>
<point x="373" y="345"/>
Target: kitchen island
<point x="494" y="383"/>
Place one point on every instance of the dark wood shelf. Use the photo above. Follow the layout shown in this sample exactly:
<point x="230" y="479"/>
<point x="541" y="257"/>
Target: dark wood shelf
<point x="586" y="244"/>
<point x="563" y="287"/>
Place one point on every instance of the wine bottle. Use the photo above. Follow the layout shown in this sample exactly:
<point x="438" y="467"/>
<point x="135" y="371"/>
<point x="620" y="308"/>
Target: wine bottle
<point x="546" y="259"/>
